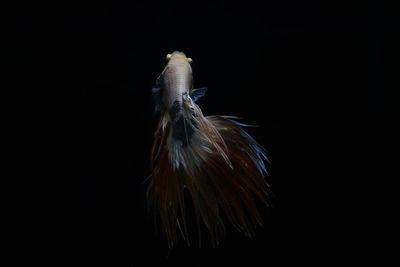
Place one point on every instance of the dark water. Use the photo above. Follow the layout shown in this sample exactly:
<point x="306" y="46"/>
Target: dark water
<point x="316" y="78"/>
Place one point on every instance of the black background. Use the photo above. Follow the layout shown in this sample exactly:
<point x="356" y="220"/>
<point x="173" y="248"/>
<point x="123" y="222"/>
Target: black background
<point x="316" y="77"/>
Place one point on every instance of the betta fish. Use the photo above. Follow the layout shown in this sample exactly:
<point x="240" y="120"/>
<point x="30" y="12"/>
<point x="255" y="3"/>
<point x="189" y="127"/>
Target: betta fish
<point x="210" y="161"/>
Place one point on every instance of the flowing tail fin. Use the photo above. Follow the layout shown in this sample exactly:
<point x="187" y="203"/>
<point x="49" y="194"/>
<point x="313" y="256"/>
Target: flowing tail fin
<point x="217" y="162"/>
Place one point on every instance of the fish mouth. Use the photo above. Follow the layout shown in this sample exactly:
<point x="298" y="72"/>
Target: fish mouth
<point x="178" y="54"/>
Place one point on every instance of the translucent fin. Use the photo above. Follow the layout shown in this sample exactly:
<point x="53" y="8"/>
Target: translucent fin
<point x="157" y="94"/>
<point x="198" y="93"/>
<point x="222" y="168"/>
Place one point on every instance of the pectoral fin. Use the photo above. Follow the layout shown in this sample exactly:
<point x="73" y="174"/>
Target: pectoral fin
<point x="157" y="91"/>
<point x="197" y="93"/>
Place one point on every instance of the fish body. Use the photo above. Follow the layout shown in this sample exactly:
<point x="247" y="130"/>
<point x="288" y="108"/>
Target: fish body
<point x="212" y="158"/>
<point x="177" y="79"/>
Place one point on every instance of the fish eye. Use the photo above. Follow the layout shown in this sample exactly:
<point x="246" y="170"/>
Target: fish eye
<point x="168" y="57"/>
<point x="190" y="60"/>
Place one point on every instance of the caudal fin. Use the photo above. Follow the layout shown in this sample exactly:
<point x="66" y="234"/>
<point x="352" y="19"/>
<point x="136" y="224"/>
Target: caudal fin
<point x="221" y="167"/>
